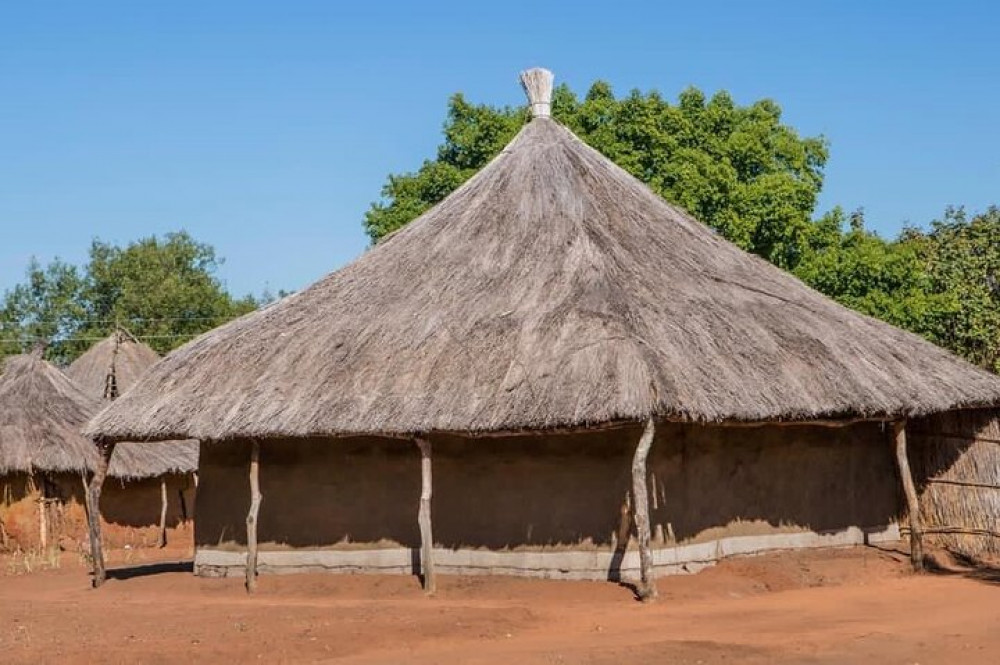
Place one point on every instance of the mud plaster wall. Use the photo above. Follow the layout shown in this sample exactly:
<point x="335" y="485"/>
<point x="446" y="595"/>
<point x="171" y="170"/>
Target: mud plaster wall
<point x="130" y="510"/>
<point x="554" y="492"/>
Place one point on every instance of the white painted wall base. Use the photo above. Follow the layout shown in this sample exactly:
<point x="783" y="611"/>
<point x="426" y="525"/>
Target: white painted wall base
<point x="567" y="565"/>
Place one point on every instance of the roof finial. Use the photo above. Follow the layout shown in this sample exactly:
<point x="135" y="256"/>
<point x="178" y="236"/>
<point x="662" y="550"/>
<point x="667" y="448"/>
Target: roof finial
<point x="537" y="84"/>
<point x="39" y="346"/>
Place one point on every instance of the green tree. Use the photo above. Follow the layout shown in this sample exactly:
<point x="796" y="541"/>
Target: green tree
<point x="163" y="290"/>
<point x="737" y="168"/>
<point x="859" y="269"/>
<point x="48" y="305"/>
<point x="962" y="255"/>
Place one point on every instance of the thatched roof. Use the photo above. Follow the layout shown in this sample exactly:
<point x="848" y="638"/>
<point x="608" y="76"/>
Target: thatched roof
<point x="553" y="289"/>
<point x="130" y="359"/>
<point x="41" y="413"/>
<point x="149" y="459"/>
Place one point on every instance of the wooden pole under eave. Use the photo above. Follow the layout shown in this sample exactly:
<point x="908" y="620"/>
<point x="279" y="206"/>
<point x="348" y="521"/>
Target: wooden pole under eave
<point x="105" y="451"/>
<point x="646" y="588"/>
<point x="163" y="512"/>
<point x="424" y="517"/>
<point x="255" y="499"/>
<point x="910" y="490"/>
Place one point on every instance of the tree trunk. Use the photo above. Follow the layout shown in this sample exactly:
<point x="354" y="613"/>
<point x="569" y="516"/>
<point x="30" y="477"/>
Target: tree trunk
<point x="424" y="518"/>
<point x="910" y="490"/>
<point x="255" y="499"/>
<point x="646" y="588"/>
<point x="163" y="512"/>
<point x="94" y="511"/>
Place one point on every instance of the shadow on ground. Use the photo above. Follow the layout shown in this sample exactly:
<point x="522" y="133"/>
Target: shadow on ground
<point x="963" y="566"/>
<point x="146" y="570"/>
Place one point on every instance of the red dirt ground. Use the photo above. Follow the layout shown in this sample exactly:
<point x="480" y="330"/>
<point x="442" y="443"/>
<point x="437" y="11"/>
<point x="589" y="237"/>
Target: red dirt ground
<point x="834" y="606"/>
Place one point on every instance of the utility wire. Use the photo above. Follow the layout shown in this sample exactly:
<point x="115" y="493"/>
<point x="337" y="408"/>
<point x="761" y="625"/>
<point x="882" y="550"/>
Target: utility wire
<point x="133" y="319"/>
<point x="60" y="340"/>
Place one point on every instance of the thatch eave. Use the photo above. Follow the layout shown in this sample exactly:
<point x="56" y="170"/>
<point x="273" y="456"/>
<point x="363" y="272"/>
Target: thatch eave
<point x="815" y="420"/>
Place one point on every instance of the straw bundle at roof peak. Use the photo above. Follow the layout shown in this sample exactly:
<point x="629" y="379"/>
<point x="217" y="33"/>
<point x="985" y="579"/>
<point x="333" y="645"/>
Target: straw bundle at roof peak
<point x="552" y="289"/>
<point x="537" y="84"/>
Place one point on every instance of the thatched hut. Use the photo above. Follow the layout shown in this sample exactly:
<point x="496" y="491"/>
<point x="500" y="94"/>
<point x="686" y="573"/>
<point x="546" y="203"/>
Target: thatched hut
<point x="156" y="478"/>
<point x="609" y="387"/>
<point x="45" y="462"/>
<point x="43" y="457"/>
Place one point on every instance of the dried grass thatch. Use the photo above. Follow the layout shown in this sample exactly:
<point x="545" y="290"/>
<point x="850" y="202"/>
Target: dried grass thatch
<point x="129" y="359"/>
<point x="553" y="289"/>
<point x="41" y="413"/>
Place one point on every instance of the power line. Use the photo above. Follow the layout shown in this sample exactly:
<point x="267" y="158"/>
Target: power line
<point x="60" y="340"/>
<point x="133" y="319"/>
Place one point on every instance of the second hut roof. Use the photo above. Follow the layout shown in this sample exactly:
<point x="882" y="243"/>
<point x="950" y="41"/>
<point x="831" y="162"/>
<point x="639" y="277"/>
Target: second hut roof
<point x="130" y="359"/>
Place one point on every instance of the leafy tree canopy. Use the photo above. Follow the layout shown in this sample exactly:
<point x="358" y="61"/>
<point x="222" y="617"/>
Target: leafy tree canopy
<point x="163" y="290"/>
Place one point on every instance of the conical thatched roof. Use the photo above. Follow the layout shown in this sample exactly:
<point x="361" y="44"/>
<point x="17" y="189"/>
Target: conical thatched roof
<point x="553" y="289"/>
<point x="130" y="359"/>
<point x="41" y="413"/>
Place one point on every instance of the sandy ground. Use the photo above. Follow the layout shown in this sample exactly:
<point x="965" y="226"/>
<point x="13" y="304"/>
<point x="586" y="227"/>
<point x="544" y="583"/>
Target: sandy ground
<point x="834" y="606"/>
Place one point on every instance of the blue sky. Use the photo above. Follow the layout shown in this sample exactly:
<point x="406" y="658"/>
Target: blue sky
<point x="266" y="129"/>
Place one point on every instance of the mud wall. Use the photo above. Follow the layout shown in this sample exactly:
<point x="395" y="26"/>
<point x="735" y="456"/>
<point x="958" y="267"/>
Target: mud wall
<point x="130" y="511"/>
<point x="551" y="493"/>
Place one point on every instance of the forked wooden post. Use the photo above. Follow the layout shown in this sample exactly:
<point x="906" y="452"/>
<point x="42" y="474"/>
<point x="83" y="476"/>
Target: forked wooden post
<point x="910" y="489"/>
<point x="163" y="512"/>
<point x="424" y="517"/>
<point x="255" y="499"/>
<point x="105" y="451"/>
<point x="640" y="512"/>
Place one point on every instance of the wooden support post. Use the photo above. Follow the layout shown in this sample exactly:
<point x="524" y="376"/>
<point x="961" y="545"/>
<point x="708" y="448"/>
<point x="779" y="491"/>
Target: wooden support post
<point x="105" y="451"/>
<point x="910" y="490"/>
<point x="646" y="588"/>
<point x="424" y="517"/>
<point x="183" y="504"/>
<point x="163" y="512"/>
<point x="255" y="499"/>
<point x="86" y="492"/>
<point x="43" y="523"/>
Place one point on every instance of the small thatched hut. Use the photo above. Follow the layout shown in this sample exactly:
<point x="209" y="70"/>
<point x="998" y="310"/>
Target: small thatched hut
<point x="610" y="389"/>
<point x="158" y="478"/>
<point x="45" y="462"/>
<point x="43" y="457"/>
